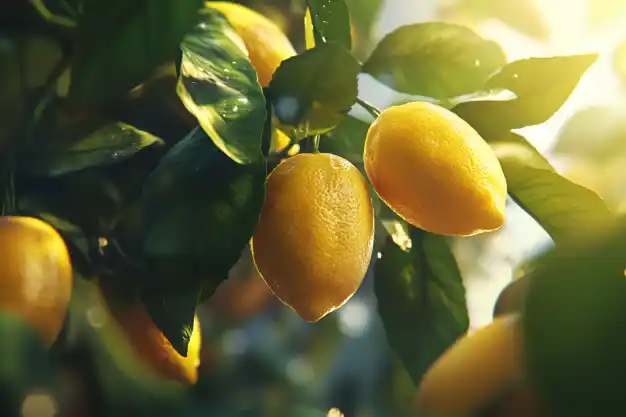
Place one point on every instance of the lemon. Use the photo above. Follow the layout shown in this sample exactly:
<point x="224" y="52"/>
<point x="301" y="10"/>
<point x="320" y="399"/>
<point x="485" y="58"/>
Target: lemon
<point x="154" y="348"/>
<point x="36" y="274"/>
<point x="474" y="372"/>
<point x="315" y="233"/>
<point x="435" y="171"/>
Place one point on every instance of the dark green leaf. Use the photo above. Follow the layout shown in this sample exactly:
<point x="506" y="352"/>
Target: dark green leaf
<point x="40" y="55"/>
<point x="562" y="208"/>
<point x="331" y="22"/>
<point x="86" y="199"/>
<point x="173" y="312"/>
<point x="541" y="85"/>
<point x="314" y="91"/>
<point x="24" y="364"/>
<point x="61" y="12"/>
<point x="219" y="86"/>
<point x="434" y="59"/>
<point x="106" y="145"/>
<point x="421" y="300"/>
<point x="121" y="42"/>
<point x="347" y="140"/>
<point x="574" y="328"/>
<point x="200" y="209"/>
<point x="12" y="98"/>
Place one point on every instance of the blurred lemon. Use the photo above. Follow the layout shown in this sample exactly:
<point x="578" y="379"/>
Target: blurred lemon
<point x="474" y="372"/>
<point x="36" y="274"/>
<point x="154" y="348"/>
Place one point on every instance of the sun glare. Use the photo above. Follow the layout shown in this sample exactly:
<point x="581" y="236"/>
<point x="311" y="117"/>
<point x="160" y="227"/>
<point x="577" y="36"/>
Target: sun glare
<point x="569" y="33"/>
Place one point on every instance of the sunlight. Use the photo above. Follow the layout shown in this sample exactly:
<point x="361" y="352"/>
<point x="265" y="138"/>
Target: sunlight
<point x="567" y="21"/>
<point x="569" y="34"/>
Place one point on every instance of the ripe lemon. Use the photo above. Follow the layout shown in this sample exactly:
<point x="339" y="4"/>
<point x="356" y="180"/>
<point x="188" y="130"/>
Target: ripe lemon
<point x="267" y="44"/>
<point x="474" y="372"/>
<point x="315" y="233"/>
<point x="435" y="171"/>
<point x="155" y="350"/>
<point x="36" y="274"/>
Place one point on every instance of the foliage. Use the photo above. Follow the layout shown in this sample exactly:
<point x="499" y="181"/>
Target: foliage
<point x="421" y="299"/>
<point x="166" y="212"/>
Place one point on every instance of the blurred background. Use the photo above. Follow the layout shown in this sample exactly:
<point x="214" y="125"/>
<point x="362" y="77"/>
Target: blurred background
<point x="260" y="359"/>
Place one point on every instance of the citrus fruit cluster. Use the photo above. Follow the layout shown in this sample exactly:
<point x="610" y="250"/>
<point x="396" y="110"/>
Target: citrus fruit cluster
<point x="315" y="233"/>
<point x="36" y="285"/>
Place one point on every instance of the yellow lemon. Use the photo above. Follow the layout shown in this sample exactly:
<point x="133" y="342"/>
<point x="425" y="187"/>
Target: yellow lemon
<point x="155" y="350"/>
<point x="435" y="171"/>
<point x="474" y="372"/>
<point x="315" y="234"/>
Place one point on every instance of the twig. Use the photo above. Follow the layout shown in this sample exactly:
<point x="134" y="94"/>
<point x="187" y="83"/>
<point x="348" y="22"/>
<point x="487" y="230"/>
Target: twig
<point x="370" y="108"/>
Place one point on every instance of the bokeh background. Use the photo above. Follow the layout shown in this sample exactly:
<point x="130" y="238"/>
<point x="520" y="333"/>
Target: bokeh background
<point x="260" y="359"/>
<point x="276" y="362"/>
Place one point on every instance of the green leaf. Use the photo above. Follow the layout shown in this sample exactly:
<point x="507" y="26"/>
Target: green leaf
<point x="173" y="312"/>
<point x="331" y="22"/>
<point x="541" y="85"/>
<point x="421" y="300"/>
<point x="562" y="208"/>
<point x="595" y="132"/>
<point x="364" y="13"/>
<point x="434" y="59"/>
<point x="121" y="42"/>
<point x="312" y="92"/>
<point x="24" y="364"/>
<point x="106" y="145"/>
<point x="200" y="209"/>
<point x="574" y="328"/>
<point x="86" y="199"/>
<point x="219" y="86"/>
<point x="347" y="140"/>
<point x="12" y="98"/>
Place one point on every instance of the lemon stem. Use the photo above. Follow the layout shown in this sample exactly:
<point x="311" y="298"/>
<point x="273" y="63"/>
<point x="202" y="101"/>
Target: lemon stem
<point x="316" y="144"/>
<point x="370" y="108"/>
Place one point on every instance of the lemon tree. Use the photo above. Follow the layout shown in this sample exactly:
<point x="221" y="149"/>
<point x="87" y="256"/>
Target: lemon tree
<point x="145" y="145"/>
